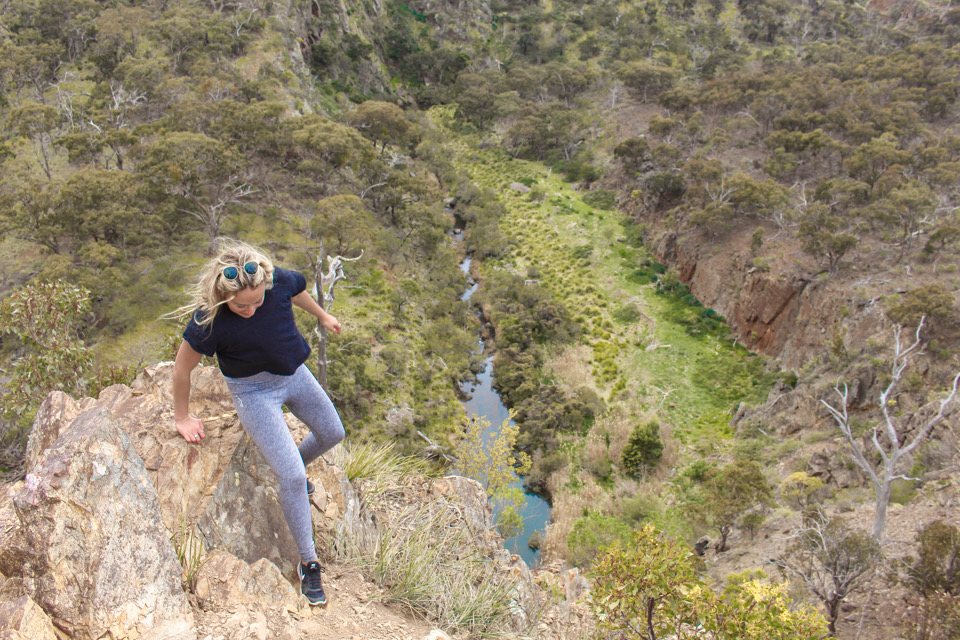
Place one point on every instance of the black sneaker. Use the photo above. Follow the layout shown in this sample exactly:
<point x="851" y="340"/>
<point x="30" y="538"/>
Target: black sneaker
<point x="311" y="584"/>
<point x="310" y="487"/>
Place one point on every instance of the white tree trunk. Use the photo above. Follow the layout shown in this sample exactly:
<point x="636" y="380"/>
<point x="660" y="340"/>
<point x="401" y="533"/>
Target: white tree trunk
<point x="891" y="451"/>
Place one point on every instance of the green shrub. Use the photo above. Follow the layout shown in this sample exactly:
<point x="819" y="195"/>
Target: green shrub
<point x="638" y="508"/>
<point x="752" y="521"/>
<point x="790" y="379"/>
<point x="628" y="313"/>
<point x="933" y="301"/>
<point x="644" y="449"/>
<point x="938" y="567"/>
<point x="592" y="535"/>
<point x="604" y="199"/>
<point x="698" y="471"/>
<point x="583" y="252"/>
<point x="633" y="232"/>
<point x="903" y="491"/>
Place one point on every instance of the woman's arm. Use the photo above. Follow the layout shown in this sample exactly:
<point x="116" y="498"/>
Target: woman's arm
<point x="186" y="361"/>
<point x="306" y="302"/>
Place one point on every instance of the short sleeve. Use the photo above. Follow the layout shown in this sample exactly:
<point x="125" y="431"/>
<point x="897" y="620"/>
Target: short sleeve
<point x="299" y="282"/>
<point x="200" y="339"/>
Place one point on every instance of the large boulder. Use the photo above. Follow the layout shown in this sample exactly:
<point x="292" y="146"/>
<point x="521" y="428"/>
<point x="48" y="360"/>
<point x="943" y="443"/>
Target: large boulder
<point x="91" y="549"/>
<point x="55" y="412"/>
<point x="243" y="514"/>
<point x="222" y="486"/>
<point x="185" y="475"/>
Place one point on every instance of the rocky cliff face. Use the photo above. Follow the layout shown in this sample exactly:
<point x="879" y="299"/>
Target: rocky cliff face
<point x="784" y="310"/>
<point x="89" y="541"/>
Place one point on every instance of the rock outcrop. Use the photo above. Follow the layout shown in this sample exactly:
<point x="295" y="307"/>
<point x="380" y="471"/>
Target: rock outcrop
<point x="123" y="530"/>
<point x="91" y="549"/>
<point x="784" y="310"/>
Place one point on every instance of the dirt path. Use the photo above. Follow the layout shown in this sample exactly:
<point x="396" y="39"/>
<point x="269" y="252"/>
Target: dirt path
<point x="354" y="611"/>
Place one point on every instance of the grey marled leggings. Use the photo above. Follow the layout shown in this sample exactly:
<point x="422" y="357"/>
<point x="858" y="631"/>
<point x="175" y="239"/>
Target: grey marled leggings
<point x="259" y="399"/>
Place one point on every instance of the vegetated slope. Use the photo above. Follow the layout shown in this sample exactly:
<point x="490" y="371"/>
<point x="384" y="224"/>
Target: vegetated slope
<point x="134" y="136"/>
<point x="581" y="256"/>
<point x="797" y="171"/>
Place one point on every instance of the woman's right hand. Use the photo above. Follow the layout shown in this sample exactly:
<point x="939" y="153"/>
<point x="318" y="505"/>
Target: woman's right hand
<point x="191" y="429"/>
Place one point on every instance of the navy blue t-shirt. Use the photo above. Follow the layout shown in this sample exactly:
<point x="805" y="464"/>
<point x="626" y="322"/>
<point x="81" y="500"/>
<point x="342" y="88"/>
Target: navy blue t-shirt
<point x="266" y="341"/>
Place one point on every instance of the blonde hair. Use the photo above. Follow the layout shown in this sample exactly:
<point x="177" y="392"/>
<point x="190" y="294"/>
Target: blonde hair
<point x="211" y="290"/>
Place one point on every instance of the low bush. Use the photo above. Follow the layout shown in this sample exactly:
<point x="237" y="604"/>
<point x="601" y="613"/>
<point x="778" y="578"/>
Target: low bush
<point x="644" y="449"/>
<point x="591" y="536"/>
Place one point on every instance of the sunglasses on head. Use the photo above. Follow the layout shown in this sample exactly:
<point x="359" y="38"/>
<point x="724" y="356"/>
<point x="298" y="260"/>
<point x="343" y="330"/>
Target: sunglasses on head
<point x="231" y="273"/>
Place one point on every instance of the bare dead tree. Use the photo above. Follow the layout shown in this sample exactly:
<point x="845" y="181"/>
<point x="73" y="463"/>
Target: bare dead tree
<point x="210" y="207"/>
<point x="122" y="100"/>
<point x="720" y="195"/>
<point x="242" y="20"/>
<point x="326" y="284"/>
<point x="887" y="438"/>
<point x="832" y="559"/>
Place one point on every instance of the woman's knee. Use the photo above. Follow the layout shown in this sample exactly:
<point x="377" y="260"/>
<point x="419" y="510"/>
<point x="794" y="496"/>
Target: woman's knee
<point x="292" y="477"/>
<point x="338" y="433"/>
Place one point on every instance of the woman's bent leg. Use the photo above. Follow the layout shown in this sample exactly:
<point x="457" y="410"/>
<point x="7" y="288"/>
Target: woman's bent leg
<point x="309" y="402"/>
<point x="262" y="418"/>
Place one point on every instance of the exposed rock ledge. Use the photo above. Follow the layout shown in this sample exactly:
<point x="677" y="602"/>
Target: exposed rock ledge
<point x="85" y="539"/>
<point x="785" y="313"/>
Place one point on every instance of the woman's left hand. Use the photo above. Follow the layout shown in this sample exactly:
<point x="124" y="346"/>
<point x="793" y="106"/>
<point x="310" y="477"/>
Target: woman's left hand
<point x="331" y="324"/>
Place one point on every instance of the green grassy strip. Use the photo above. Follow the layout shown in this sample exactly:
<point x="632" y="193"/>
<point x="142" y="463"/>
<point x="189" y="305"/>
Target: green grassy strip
<point x="577" y="253"/>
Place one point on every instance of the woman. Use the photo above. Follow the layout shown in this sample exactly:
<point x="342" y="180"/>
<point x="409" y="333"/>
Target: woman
<point x="241" y="311"/>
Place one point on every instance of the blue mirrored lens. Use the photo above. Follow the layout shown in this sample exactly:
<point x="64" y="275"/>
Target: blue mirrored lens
<point x="230" y="273"/>
<point x="251" y="267"/>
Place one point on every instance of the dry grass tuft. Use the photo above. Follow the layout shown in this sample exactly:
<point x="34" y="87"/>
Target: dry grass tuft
<point x="572" y="368"/>
<point x="569" y="505"/>
<point x="424" y="556"/>
<point x="619" y="425"/>
<point x="596" y="453"/>
<point x="671" y="453"/>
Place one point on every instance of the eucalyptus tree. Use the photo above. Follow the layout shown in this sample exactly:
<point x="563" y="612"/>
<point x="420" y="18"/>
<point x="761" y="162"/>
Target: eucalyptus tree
<point x="31" y="65"/>
<point x="343" y="223"/>
<point x="730" y="492"/>
<point x="204" y="175"/>
<point x="384" y="123"/>
<point x="327" y="152"/>
<point x="825" y="235"/>
<point x="36" y="122"/>
<point x="102" y="206"/>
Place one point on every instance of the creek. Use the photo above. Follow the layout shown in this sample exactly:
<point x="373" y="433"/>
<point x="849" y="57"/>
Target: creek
<point x="483" y="402"/>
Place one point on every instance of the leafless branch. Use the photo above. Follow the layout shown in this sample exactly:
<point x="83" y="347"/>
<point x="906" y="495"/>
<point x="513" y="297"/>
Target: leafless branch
<point x="890" y="451"/>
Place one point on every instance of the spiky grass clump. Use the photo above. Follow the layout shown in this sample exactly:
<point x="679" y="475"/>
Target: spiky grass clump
<point x="188" y="546"/>
<point x="425" y="557"/>
<point x="427" y="562"/>
<point x="383" y="463"/>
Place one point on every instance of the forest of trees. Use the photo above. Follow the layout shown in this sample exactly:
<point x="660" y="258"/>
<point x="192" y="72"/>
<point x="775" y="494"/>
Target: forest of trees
<point x="135" y="136"/>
